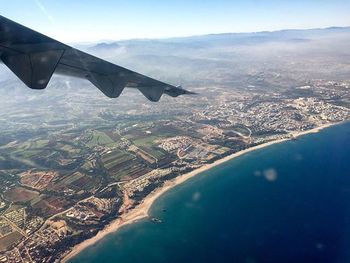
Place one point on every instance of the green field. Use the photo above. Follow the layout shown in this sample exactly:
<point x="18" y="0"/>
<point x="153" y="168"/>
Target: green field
<point x="70" y="149"/>
<point x="122" y="165"/>
<point x="115" y="157"/>
<point x="70" y="179"/>
<point x="33" y="145"/>
<point x="29" y="149"/>
<point x="98" y="138"/>
<point x="149" y="145"/>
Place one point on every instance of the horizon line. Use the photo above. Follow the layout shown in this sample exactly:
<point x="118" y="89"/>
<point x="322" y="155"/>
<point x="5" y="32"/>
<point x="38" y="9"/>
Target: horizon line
<point x="108" y="41"/>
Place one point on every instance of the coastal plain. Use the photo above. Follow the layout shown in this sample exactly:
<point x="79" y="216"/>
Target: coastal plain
<point x="75" y="165"/>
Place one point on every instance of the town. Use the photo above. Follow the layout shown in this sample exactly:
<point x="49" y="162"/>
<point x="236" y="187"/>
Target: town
<point x="63" y="181"/>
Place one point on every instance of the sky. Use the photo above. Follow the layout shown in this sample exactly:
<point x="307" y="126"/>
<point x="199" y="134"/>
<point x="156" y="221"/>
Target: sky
<point x="77" y="21"/>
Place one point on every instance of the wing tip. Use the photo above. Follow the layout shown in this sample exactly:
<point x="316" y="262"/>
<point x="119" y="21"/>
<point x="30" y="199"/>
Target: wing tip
<point x="175" y="91"/>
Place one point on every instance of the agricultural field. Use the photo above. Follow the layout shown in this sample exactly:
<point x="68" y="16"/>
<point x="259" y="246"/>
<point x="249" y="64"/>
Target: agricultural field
<point x="49" y="154"/>
<point x="20" y="194"/>
<point x="28" y="149"/>
<point x="9" y="240"/>
<point x="78" y="182"/>
<point x="49" y="205"/>
<point x="115" y="157"/>
<point x="148" y="144"/>
<point x="34" y="144"/>
<point x="113" y="134"/>
<point x="37" y="179"/>
<point x="147" y="138"/>
<point x="97" y="138"/>
<point x="122" y="166"/>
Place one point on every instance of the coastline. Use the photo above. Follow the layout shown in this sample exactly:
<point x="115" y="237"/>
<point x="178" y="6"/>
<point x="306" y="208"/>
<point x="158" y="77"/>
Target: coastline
<point x="142" y="210"/>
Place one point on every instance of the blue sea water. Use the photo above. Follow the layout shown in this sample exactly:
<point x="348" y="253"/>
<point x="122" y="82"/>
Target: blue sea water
<point x="289" y="202"/>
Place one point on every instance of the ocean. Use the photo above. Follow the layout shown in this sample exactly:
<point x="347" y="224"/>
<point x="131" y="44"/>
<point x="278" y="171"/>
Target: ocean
<point x="289" y="202"/>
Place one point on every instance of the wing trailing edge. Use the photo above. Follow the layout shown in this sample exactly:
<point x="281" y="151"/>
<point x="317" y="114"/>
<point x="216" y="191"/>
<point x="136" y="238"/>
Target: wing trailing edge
<point x="34" y="58"/>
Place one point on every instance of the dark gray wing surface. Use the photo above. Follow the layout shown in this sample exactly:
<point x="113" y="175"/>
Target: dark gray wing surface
<point x="34" y="58"/>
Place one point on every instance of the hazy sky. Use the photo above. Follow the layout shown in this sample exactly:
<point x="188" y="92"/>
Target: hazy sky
<point x="93" y="20"/>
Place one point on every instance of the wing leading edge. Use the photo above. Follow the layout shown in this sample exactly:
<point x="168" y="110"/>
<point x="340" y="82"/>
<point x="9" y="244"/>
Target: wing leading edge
<point x="34" y="58"/>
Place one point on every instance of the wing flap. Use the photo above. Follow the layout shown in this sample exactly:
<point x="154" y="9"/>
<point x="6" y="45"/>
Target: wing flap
<point x="152" y="93"/>
<point x="34" y="69"/>
<point x="110" y="85"/>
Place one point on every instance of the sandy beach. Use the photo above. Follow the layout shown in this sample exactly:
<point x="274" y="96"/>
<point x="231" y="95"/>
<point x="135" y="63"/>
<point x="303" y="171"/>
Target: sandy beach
<point x="141" y="211"/>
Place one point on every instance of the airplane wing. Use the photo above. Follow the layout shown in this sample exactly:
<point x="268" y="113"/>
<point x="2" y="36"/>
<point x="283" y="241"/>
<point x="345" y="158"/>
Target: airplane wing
<point x="34" y="58"/>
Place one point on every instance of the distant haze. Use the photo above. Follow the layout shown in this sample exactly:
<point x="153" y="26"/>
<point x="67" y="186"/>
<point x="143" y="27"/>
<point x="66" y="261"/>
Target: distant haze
<point x="92" y="20"/>
<point x="282" y="58"/>
<point x="273" y="60"/>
